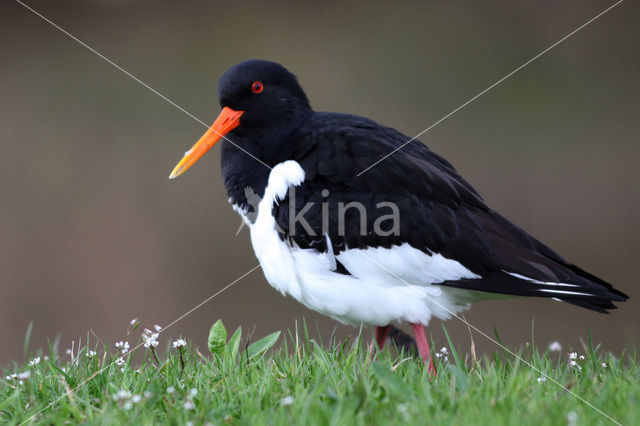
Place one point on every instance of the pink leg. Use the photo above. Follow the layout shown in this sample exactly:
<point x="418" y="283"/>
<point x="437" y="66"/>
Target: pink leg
<point x="381" y="337"/>
<point x="423" y="347"/>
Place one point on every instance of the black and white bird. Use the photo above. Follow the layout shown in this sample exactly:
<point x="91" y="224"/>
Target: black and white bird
<point x="407" y="240"/>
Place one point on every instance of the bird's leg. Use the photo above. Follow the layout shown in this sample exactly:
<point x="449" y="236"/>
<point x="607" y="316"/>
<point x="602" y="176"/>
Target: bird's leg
<point x="423" y="347"/>
<point x="381" y="337"/>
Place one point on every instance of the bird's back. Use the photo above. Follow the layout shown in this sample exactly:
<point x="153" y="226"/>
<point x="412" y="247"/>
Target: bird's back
<point x="439" y="213"/>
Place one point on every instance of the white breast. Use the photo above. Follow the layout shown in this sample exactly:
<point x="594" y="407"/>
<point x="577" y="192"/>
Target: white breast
<point x="376" y="292"/>
<point x="274" y="255"/>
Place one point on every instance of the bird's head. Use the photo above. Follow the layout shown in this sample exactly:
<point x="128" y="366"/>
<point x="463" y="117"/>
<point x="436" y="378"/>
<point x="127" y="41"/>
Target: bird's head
<point x="256" y="96"/>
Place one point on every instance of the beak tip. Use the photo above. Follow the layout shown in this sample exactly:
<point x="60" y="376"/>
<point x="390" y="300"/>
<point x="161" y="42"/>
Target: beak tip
<point x="226" y="121"/>
<point x="175" y="173"/>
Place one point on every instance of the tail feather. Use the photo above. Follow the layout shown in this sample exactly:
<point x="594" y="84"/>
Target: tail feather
<point x="595" y="296"/>
<point x="530" y="268"/>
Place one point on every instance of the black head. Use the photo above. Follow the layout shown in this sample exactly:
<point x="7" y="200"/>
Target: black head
<point x="262" y="104"/>
<point x="266" y="91"/>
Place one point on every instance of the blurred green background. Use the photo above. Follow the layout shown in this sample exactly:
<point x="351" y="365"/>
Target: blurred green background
<point x="93" y="234"/>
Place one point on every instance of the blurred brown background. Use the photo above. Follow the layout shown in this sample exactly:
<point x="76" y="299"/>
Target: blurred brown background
<point x="93" y="234"/>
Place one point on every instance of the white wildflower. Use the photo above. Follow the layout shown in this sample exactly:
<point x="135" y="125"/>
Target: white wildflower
<point x="35" y="361"/>
<point x="192" y="393"/>
<point x="171" y="390"/>
<point x="575" y="364"/>
<point x="91" y="354"/>
<point x="123" y="346"/>
<point x="581" y="357"/>
<point x="150" y="339"/>
<point x="127" y="397"/>
<point x="604" y="365"/>
<point x="24" y="375"/>
<point x="573" y="355"/>
<point x="179" y="343"/>
<point x="189" y="405"/>
<point x="13" y="376"/>
<point x="555" y="347"/>
<point x="443" y="353"/>
<point x="541" y="379"/>
<point x="120" y="361"/>
<point x="157" y="327"/>
<point x="122" y="394"/>
<point x="572" y="417"/>
<point x="287" y="400"/>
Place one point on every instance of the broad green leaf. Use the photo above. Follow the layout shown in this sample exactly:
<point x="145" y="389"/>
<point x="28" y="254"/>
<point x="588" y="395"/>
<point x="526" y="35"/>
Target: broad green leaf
<point x="390" y="380"/>
<point x="234" y="342"/>
<point x="460" y="376"/>
<point x="217" y="338"/>
<point x="261" y="346"/>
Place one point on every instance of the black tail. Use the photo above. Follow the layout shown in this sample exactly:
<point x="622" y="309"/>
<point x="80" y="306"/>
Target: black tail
<point x="527" y="267"/>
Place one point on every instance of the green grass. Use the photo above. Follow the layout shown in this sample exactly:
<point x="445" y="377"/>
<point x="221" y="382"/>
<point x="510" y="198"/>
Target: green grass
<point x="293" y="379"/>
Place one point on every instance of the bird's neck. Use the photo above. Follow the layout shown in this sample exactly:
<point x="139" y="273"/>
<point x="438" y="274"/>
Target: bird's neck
<point x="247" y="162"/>
<point x="243" y="177"/>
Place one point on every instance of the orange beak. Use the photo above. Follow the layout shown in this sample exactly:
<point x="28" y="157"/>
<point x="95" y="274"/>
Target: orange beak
<point x="227" y="121"/>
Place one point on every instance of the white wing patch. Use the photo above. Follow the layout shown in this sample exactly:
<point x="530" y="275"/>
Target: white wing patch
<point x="522" y="277"/>
<point x="549" y="290"/>
<point x="404" y="261"/>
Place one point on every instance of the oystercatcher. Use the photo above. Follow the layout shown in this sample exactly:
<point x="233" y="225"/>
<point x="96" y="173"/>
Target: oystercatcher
<point x="406" y="240"/>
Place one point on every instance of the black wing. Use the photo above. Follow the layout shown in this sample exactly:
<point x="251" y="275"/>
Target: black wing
<point x="439" y="212"/>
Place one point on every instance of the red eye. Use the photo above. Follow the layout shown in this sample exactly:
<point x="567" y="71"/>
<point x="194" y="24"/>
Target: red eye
<point x="257" y="87"/>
